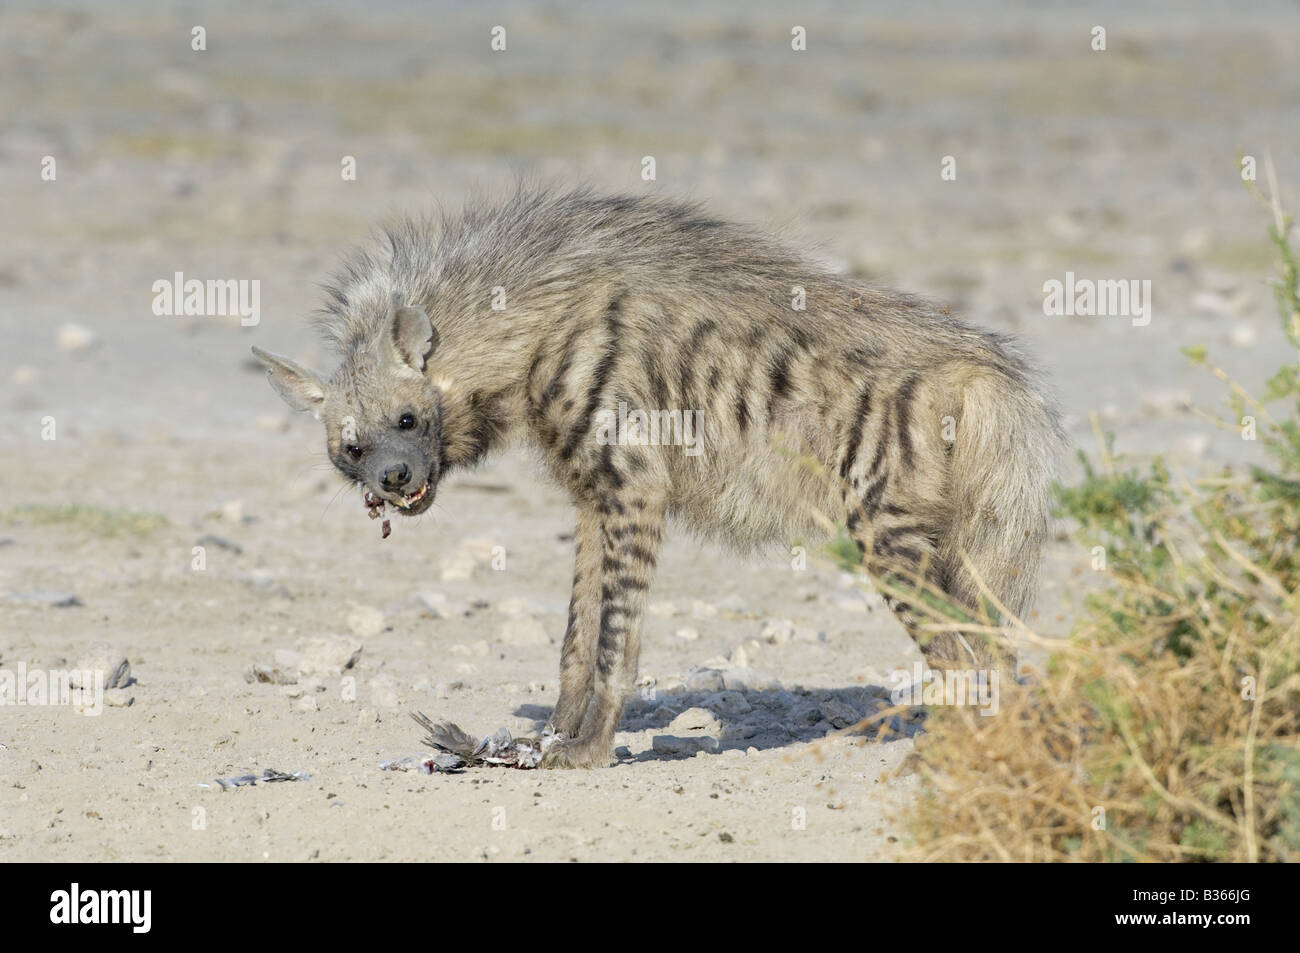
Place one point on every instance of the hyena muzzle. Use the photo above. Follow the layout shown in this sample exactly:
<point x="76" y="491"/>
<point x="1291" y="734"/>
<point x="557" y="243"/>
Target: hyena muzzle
<point x="591" y="325"/>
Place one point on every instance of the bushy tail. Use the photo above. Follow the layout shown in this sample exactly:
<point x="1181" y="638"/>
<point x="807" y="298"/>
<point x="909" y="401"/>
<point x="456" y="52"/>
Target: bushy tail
<point x="1007" y="444"/>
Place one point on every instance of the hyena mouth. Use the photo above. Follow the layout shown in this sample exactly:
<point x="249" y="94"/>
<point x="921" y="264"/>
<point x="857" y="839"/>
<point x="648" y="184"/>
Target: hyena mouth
<point x="412" y="498"/>
<point x="415" y="503"/>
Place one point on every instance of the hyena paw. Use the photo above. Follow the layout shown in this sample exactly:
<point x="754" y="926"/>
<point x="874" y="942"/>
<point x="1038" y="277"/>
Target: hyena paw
<point x="576" y="753"/>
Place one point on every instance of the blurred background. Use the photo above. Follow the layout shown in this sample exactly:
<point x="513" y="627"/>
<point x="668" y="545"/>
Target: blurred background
<point x="226" y="162"/>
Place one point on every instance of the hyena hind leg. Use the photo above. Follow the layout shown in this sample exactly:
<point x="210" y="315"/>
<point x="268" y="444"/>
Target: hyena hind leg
<point x="902" y="555"/>
<point x="630" y="531"/>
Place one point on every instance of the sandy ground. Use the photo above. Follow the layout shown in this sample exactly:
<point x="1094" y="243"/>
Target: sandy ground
<point x="225" y="164"/>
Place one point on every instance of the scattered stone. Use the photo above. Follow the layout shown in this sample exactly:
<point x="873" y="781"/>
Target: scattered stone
<point x="469" y="556"/>
<point x="74" y="338"/>
<point x="439" y="606"/>
<point x="1158" y="403"/>
<point x="776" y="631"/>
<point x="1241" y="335"/>
<point x="687" y="634"/>
<point x="728" y="703"/>
<point x="118" y="698"/>
<point x="522" y="631"/>
<point x="675" y="747"/>
<point x="102" y="657"/>
<point x="307" y="703"/>
<point x="328" y="654"/>
<point x="702" y="610"/>
<point x="270" y="674"/>
<point x="367" y="718"/>
<point x="365" y="621"/>
<point x="840" y="714"/>
<point x="220" y="542"/>
<point x="696" y="721"/>
<point x="705" y="680"/>
<point x="48" y="598"/>
<point x="25" y="374"/>
<point x="661" y="610"/>
<point x="739" y="656"/>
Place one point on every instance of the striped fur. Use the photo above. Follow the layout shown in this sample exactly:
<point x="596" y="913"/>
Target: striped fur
<point x="836" y="411"/>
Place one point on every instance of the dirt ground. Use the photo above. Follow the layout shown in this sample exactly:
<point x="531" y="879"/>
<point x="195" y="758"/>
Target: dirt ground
<point x="134" y="438"/>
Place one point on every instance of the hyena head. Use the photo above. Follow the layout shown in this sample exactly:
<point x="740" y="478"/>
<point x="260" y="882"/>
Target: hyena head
<point x="382" y="416"/>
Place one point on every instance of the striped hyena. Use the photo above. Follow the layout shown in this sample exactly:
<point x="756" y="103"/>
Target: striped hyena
<point x="820" y="401"/>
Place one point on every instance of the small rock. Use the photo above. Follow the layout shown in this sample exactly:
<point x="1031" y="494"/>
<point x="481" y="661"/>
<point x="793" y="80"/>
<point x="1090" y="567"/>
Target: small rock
<point x="522" y="631"/>
<point x="270" y="674"/>
<point x="365" y="621"/>
<point x="776" y="631"/>
<point x="840" y="714"/>
<point x="468" y="557"/>
<point x="74" y="338"/>
<point x="673" y="746"/>
<point x="1241" y="335"/>
<point x="687" y="634"/>
<point x="439" y="606"/>
<point x="220" y="542"/>
<point x="1158" y="403"/>
<point x="661" y="610"/>
<point x="50" y="598"/>
<point x="328" y="654"/>
<point x="118" y="698"/>
<point x="307" y="703"/>
<point x="739" y="656"/>
<point x="104" y="658"/>
<point x="705" y="680"/>
<point x="367" y="717"/>
<point x="696" y="721"/>
<point x="702" y="610"/>
<point x="24" y="374"/>
<point x="728" y="703"/>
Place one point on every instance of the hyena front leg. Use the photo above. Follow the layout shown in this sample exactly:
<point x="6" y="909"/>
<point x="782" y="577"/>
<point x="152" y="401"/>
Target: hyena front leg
<point x="630" y="530"/>
<point x="578" y="657"/>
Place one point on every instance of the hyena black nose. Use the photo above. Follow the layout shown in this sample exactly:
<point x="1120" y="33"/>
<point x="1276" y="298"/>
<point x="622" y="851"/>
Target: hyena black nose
<point x="397" y="476"/>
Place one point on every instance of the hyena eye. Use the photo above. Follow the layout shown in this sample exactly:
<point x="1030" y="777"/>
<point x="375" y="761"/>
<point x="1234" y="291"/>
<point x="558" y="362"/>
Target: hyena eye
<point x="354" y="452"/>
<point x="406" y="422"/>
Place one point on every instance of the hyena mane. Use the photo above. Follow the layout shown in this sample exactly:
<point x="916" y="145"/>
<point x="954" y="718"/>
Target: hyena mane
<point x="818" y="400"/>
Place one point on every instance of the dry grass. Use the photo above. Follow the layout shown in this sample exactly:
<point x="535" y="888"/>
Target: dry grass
<point x="1167" y="727"/>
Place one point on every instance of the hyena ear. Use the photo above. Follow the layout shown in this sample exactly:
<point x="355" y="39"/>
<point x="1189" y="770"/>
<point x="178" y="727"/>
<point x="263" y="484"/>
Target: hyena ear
<point x="300" y="388"/>
<point x="410" y="336"/>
